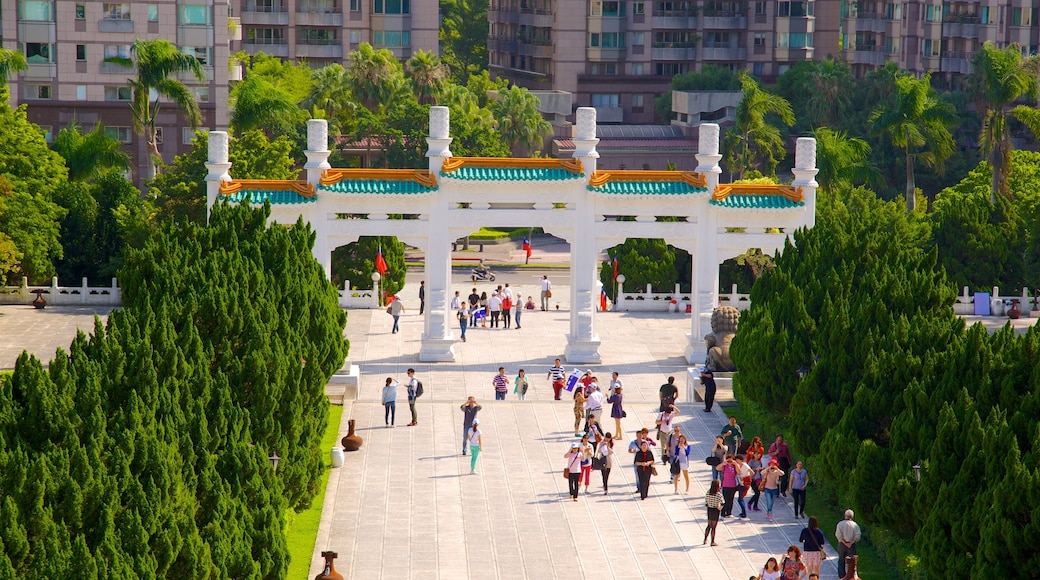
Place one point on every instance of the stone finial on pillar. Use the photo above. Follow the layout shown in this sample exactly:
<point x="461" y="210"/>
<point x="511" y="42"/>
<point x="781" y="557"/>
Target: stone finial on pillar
<point x="585" y="140"/>
<point x="218" y="166"/>
<point x="708" y="156"/>
<point x="439" y="139"/>
<point x="317" y="150"/>
<point x="805" y="175"/>
<point x="708" y="143"/>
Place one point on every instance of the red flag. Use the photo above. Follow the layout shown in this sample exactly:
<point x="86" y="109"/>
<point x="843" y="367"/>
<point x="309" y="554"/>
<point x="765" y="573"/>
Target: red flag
<point x="603" y="300"/>
<point x="615" y="267"/>
<point x="527" y="247"/>
<point x="381" y="263"/>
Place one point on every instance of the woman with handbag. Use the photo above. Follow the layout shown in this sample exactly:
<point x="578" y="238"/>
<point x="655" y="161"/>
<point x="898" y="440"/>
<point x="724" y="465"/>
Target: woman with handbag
<point x="521" y="385"/>
<point x="573" y="470"/>
<point x="644" y="468"/>
<point x="586" y="461"/>
<point x="812" y="541"/>
<point x="617" y="410"/>
<point x="719" y="451"/>
<point x="681" y="463"/>
<point x="771" y="485"/>
<point x="755" y="463"/>
<point x="729" y="484"/>
<point x="605" y="459"/>
<point x="713" y="501"/>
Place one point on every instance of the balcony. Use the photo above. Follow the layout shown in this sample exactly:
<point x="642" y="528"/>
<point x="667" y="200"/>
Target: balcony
<point x="962" y="28"/>
<point x="674" y="51"/>
<point x="674" y="20"/>
<point x="870" y="55"/>
<point x="537" y="49"/>
<point x="40" y="71"/>
<point x="319" y="19"/>
<point x="504" y="45"/>
<point x="957" y="62"/>
<point x="316" y="49"/>
<point x="723" y="53"/>
<point x="720" y="21"/>
<point x="610" y="115"/>
<point x="871" y="22"/>
<point x="113" y="68"/>
<point x="275" y="17"/>
<point x="279" y="50"/>
<point x="536" y="18"/>
<point x="115" y="25"/>
<point x="234" y="25"/>
<point x="605" y="54"/>
<point x="504" y="16"/>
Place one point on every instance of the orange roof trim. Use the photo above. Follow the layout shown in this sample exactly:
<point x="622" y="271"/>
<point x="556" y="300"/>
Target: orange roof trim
<point x="570" y="165"/>
<point x="691" y="178"/>
<point x="334" y="176"/>
<point x="724" y="190"/>
<point x="302" y="187"/>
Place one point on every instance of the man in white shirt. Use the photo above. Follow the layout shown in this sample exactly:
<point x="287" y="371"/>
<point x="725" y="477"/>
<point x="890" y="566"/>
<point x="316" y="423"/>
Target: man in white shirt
<point x="456" y="302"/>
<point x="507" y="291"/>
<point x="495" y="308"/>
<point x="594" y="404"/>
<point x="546" y="290"/>
<point x="847" y="533"/>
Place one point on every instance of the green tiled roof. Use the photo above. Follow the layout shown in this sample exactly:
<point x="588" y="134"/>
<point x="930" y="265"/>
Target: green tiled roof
<point x="378" y="186"/>
<point x="482" y="173"/>
<point x="275" y="196"/>
<point x="739" y="201"/>
<point x="647" y="188"/>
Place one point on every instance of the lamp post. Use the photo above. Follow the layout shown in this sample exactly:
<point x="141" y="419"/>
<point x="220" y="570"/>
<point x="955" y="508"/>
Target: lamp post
<point x="802" y="371"/>
<point x="274" y="459"/>
<point x="620" y="285"/>
<point x="375" y="288"/>
<point x="917" y="471"/>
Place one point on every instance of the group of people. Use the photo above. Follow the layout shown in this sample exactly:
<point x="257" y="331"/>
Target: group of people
<point x="503" y="306"/>
<point x="414" y="390"/>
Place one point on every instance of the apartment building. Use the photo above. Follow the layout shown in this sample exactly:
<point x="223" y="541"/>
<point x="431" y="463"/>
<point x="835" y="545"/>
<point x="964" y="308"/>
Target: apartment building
<point x="618" y="55"/>
<point x="938" y="37"/>
<point x="69" y="79"/>
<point x="319" y="32"/>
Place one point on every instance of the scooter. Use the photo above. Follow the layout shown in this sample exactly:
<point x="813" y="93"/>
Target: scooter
<point x="478" y="274"/>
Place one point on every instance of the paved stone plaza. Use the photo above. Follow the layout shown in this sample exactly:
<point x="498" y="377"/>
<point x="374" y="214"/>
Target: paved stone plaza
<point x="405" y="505"/>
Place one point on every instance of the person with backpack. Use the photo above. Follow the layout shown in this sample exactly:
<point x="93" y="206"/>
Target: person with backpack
<point x="415" y="390"/>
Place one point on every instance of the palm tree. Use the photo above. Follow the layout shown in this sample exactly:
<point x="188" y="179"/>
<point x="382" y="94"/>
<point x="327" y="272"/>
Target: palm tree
<point x="753" y="136"/>
<point x="90" y="155"/>
<point x="258" y="104"/>
<point x="329" y="96"/>
<point x="831" y="93"/>
<point x="999" y="78"/>
<point x="11" y="62"/>
<point x="374" y="76"/>
<point x="919" y="123"/>
<point x="428" y="76"/>
<point x="843" y="161"/>
<point x="519" y="121"/>
<point x="158" y="62"/>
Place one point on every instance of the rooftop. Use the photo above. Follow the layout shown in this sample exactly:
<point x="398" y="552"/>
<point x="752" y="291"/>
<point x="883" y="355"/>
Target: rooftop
<point x="757" y="196"/>
<point x="634" y="182"/>
<point x="378" y="181"/>
<point x="278" y="192"/>
<point x="511" y="169"/>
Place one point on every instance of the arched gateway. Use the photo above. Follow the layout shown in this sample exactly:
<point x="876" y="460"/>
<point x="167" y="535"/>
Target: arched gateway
<point x="568" y="198"/>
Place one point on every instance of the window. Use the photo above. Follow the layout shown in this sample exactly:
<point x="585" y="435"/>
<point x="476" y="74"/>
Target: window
<point x="613" y="40"/>
<point x="794" y="40"/>
<point x="637" y="39"/>
<point x="930" y="48"/>
<point x="603" y="68"/>
<point x="760" y="7"/>
<point x="1020" y="17"/>
<point x="188" y="135"/>
<point x="391" y="38"/>
<point x="636" y="68"/>
<point x="892" y="45"/>
<point x="48" y="133"/>
<point x="81" y="11"/>
<point x="119" y="93"/>
<point x="153" y="13"/>
<point x="201" y="94"/>
<point x="116" y="11"/>
<point x="81" y="52"/>
<point x="37" y="91"/>
<point x="355" y="36"/>
<point x="600" y="100"/>
<point x="670" y="69"/>
<point x="932" y="13"/>
<point x="158" y="135"/>
<point x="672" y="39"/>
<point x="193" y="14"/>
<point x="794" y="9"/>
<point x="760" y="39"/>
<point x="199" y="52"/>
<point x="638" y="8"/>
<point x="81" y="92"/>
<point x="984" y="15"/>
<point x="594" y="39"/>
<point x="121" y="134"/>
<point x="117" y="51"/>
<point x="613" y="8"/>
<point x="390" y="6"/>
<point x="317" y="36"/>
<point x="355" y="5"/>
<point x="39" y="53"/>
<point x="265" y="36"/>
<point x="36" y="10"/>
<point x="637" y="102"/>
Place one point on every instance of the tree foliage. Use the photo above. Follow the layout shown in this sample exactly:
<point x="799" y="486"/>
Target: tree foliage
<point x="357" y="261"/>
<point x="711" y="77"/>
<point x="142" y="451"/>
<point x="643" y="261"/>
<point x="755" y="142"/>
<point x="90" y="155"/>
<point x="464" y="37"/>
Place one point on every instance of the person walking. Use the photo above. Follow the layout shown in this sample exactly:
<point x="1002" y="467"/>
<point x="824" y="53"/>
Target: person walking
<point x="708" y="380"/>
<point x="791" y="567"/>
<point x="755" y="447"/>
<point x="501" y="384"/>
<point x="464" y="315"/>
<point x="729" y="484"/>
<point x="847" y="533"/>
<point x="484" y="307"/>
<point x="779" y="451"/>
<point x="395" y="309"/>
<point x="518" y="309"/>
<point x="731" y="434"/>
<point x="664" y="428"/>
<point x="469" y="415"/>
<point x="744" y="474"/>
<point x="495" y="308"/>
<point x="594" y="404"/>
<point x="390" y="402"/>
<point x="546" y="292"/>
<point x="771" y="485"/>
<point x="475" y="443"/>
<point x="507" y="309"/>
<point x="413" y="394"/>
<point x="681" y="462"/>
<point x="799" y="481"/>
<point x="713" y="501"/>
<point x="771" y="571"/>
<point x="755" y="463"/>
<point x="633" y="448"/>
<point x="474" y="303"/>
<point x="422" y="297"/>
<point x="605" y="450"/>
<point x="668" y="393"/>
<point x="644" y="463"/>
<point x="557" y="375"/>
<point x="520" y="385"/>
<point x="587" y="451"/>
<point x="812" y="545"/>
<point x="617" y="409"/>
<point x="719" y="452"/>
<point x="579" y="408"/>
<point x="573" y="469"/>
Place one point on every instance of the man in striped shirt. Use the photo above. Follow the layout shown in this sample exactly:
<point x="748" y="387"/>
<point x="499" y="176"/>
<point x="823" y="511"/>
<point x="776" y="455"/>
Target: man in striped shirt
<point x="501" y="382"/>
<point x="557" y="375"/>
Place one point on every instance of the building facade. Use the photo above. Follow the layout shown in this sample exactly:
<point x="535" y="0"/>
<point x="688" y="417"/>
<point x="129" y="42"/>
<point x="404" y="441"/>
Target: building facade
<point x="940" y="37"/>
<point x="68" y="46"/>
<point x="618" y="55"/>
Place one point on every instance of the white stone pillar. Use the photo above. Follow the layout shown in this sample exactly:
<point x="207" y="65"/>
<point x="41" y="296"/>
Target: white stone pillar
<point x="317" y="150"/>
<point x="218" y="167"/>
<point x="805" y="176"/>
<point x="437" y="339"/>
<point x="706" y="261"/>
<point x="582" y="341"/>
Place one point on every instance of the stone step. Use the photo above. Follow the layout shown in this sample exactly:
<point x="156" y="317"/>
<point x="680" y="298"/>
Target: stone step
<point x="343" y="385"/>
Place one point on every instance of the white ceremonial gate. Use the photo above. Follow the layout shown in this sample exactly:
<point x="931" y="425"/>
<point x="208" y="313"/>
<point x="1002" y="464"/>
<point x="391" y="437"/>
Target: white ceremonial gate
<point x="568" y="198"/>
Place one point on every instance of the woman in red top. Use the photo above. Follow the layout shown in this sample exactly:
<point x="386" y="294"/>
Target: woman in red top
<point x="507" y="305"/>
<point x="755" y="447"/>
<point x="791" y="568"/>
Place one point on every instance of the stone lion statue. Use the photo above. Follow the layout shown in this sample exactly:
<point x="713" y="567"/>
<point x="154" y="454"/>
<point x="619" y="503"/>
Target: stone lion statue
<point x="723" y="327"/>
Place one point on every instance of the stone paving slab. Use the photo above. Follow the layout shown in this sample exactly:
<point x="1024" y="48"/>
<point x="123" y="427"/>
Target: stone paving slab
<point x="41" y="332"/>
<point x="405" y="505"/>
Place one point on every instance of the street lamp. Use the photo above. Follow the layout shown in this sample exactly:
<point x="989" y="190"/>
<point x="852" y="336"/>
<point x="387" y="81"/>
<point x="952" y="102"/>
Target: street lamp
<point x="375" y="287"/>
<point x="917" y="471"/>
<point x="619" y="286"/>
<point x="274" y="459"/>
<point x="802" y="371"/>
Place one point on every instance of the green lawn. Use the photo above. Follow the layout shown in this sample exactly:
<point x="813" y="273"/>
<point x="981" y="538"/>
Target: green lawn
<point x="498" y="233"/>
<point x="820" y="503"/>
<point x="301" y="529"/>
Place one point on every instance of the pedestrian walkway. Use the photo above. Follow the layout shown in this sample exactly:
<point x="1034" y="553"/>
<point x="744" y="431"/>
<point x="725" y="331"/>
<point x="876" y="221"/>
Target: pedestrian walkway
<point x="405" y="505"/>
<point x="41" y="332"/>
